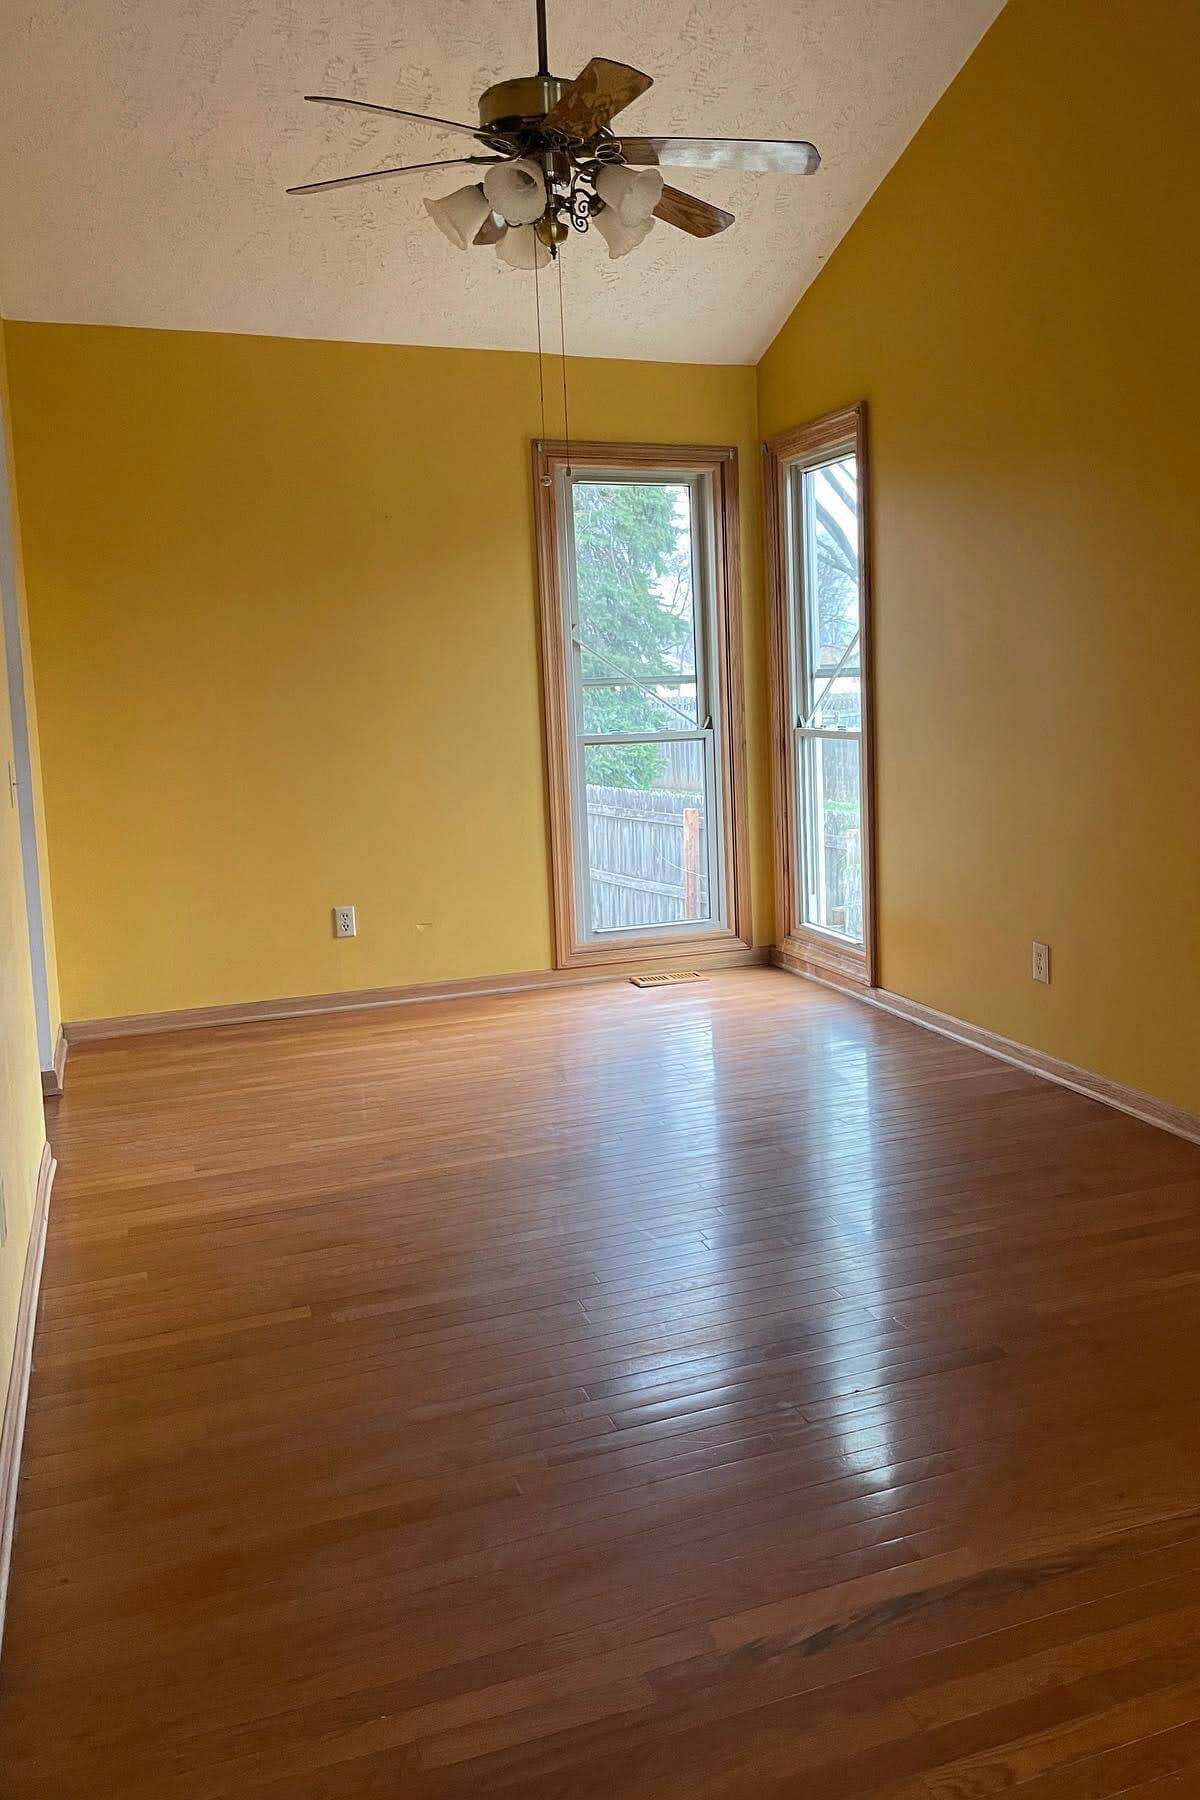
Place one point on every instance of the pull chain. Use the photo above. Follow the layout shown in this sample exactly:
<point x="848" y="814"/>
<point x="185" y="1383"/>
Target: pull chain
<point x="562" y="339"/>
<point x="537" y="306"/>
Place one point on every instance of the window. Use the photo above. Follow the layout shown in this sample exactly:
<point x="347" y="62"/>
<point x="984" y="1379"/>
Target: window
<point x="642" y="666"/>
<point x="817" y="543"/>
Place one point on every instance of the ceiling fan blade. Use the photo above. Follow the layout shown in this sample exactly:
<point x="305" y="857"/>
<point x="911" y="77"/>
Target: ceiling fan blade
<point x="448" y="162"/>
<point x="491" y="231"/>
<point x="597" y="94"/>
<point x="396" y="112"/>
<point x="699" y="217"/>
<point x="760" y="156"/>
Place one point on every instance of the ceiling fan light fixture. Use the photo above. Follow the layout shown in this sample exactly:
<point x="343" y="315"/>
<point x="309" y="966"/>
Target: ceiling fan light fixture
<point x="619" y="237"/>
<point x="516" y="190"/>
<point x="522" y="248"/>
<point x="632" y="194"/>
<point x="459" y="215"/>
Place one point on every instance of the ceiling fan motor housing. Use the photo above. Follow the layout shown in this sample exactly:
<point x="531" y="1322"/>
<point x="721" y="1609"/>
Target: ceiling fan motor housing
<point x="525" y="100"/>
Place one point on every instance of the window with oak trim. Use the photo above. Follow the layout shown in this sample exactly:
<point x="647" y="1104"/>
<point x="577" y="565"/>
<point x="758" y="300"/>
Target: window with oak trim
<point x="641" y="644"/>
<point x="817" y="547"/>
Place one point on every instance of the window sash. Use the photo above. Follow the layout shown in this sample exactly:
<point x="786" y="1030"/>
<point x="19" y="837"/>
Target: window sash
<point x="805" y="823"/>
<point x="809" y="683"/>
<point x="707" y="687"/>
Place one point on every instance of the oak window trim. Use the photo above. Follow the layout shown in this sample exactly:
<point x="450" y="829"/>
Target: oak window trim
<point x="572" y="947"/>
<point x="799" y="945"/>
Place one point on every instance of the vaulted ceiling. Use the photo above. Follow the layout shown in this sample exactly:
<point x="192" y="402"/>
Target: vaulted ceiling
<point x="145" y="146"/>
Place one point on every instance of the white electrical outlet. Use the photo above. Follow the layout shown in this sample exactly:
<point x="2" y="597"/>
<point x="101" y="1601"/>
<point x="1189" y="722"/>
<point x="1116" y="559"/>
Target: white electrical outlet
<point x="345" y="924"/>
<point x="1041" y="963"/>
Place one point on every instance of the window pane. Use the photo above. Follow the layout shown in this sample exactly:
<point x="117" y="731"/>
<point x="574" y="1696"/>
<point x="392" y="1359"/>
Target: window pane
<point x="828" y="504"/>
<point x="647" y="834"/>
<point x="636" y="605"/>
<point x="830" y="790"/>
<point x="838" y="703"/>
<point x="610" y="706"/>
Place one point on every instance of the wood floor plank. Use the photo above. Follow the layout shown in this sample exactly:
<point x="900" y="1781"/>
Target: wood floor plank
<point x="718" y="1392"/>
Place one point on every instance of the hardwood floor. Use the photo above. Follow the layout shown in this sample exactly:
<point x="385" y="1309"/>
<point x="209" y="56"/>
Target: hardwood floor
<point x="720" y="1391"/>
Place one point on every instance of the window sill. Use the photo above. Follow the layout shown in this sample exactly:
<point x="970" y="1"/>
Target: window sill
<point x="697" y="947"/>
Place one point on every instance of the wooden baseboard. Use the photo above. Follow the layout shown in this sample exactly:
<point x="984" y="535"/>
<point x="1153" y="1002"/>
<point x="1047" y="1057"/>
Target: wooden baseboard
<point x="54" y="1077"/>
<point x="83" y="1031"/>
<point x="1036" y="1062"/>
<point x="13" y="1430"/>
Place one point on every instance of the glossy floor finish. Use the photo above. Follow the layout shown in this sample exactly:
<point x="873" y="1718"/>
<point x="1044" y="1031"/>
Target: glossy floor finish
<point x="720" y="1391"/>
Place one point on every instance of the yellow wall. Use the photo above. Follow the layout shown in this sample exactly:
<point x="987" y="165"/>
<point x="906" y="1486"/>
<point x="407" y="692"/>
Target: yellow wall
<point x="1019" y="306"/>
<point x="31" y="715"/>
<point x="284" y="626"/>
<point x="22" y="1129"/>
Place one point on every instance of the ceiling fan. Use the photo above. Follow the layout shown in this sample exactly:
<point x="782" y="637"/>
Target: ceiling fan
<point x="554" y="162"/>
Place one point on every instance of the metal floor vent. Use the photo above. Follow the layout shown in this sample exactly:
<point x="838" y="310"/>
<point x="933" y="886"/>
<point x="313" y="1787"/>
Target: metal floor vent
<point x="665" y="980"/>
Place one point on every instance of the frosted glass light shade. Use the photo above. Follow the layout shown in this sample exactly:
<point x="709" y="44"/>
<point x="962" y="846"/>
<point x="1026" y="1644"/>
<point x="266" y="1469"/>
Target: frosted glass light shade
<point x="522" y="248"/>
<point x="619" y="237"/>
<point x="459" y="215"/>
<point x="632" y="194"/>
<point x="517" y="191"/>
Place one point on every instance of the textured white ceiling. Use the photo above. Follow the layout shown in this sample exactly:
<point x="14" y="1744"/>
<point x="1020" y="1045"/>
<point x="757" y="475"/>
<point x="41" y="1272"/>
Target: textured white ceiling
<point x="145" y="146"/>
